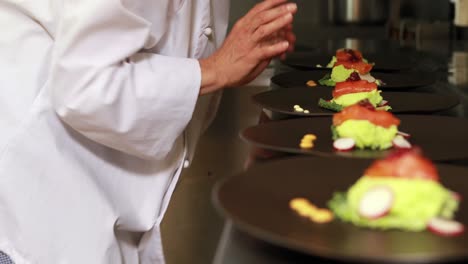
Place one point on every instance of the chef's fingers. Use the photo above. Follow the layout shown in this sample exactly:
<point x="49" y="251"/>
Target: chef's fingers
<point x="270" y="51"/>
<point x="287" y="34"/>
<point x="277" y="37"/>
<point x="282" y="56"/>
<point x="262" y="6"/>
<point x="291" y="38"/>
<point x="270" y="28"/>
<point x="289" y="27"/>
<point x="270" y="15"/>
<point x="281" y="34"/>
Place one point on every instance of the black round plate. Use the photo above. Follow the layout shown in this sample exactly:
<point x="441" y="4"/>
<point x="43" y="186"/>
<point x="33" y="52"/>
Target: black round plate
<point x="442" y="138"/>
<point x="283" y="101"/>
<point x="257" y="203"/>
<point x="392" y="81"/>
<point x="310" y="60"/>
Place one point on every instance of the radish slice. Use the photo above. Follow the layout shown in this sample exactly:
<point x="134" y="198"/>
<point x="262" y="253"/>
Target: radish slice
<point x="367" y="77"/>
<point x="344" y="144"/>
<point x="403" y="134"/>
<point x="456" y="196"/>
<point x="445" y="227"/>
<point x="383" y="103"/>
<point x="401" y="142"/>
<point x="376" y="202"/>
<point x="380" y="108"/>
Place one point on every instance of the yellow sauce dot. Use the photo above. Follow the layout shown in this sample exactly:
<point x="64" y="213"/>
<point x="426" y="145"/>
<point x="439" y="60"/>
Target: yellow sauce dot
<point x="308" y="210"/>
<point x="306" y="145"/>
<point x="302" y="212"/>
<point x="310" y="136"/>
<point x="323" y="216"/>
<point x="307" y="141"/>
<point x="298" y="202"/>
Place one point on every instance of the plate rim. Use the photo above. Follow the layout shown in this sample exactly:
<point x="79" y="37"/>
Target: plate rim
<point x="419" y="75"/>
<point x="314" y="152"/>
<point x="376" y="68"/>
<point x="291" y="113"/>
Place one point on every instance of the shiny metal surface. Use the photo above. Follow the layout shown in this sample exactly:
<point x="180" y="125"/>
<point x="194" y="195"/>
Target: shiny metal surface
<point x="359" y="11"/>
<point x="461" y="13"/>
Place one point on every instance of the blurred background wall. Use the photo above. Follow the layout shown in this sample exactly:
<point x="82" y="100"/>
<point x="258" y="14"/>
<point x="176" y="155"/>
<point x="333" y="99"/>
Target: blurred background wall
<point x="409" y="22"/>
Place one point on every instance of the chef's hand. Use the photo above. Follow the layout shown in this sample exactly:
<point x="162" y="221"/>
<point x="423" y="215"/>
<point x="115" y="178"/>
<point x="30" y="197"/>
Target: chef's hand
<point x="263" y="33"/>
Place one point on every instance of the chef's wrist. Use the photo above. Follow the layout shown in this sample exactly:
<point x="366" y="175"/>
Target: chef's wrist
<point x="210" y="79"/>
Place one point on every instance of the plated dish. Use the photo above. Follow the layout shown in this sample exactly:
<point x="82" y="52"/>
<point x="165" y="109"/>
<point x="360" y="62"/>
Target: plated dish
<point x="441" y="137"/>
<point x="361" y="126"/>
<point x="307" y="98"/>
<point x="403" y="191"/>
<point x="393" y="81"/>
<point x="258" y="202"/>
<point x="349" y="65"/>
<point x="382" y="62"/>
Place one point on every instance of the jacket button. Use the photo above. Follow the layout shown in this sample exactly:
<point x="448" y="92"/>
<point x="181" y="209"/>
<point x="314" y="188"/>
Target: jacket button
<point x="186" y="164"/>
<point x="208" y="31"/>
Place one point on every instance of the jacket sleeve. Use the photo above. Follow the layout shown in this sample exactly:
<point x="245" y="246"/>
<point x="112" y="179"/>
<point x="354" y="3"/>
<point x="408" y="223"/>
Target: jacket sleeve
<point x="104" y="87"/>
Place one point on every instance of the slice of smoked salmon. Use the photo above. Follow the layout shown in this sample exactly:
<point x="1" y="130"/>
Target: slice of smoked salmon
<point x="359" y="112"/>
<point x="404" y="163"/>
<point x="360" y="66"/>
<point x="348" y="55"/>
<point x="348" y="87"/>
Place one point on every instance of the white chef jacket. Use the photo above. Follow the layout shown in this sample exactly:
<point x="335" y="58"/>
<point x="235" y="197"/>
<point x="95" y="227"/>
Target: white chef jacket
<point x="99" y="108"/>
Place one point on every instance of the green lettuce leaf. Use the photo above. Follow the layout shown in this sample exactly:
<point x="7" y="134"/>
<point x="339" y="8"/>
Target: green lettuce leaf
<point x="330" y="105"/>
<point x="332" y="62"/>
<point x="340" y="73"/>
<point x="326" y="80"/>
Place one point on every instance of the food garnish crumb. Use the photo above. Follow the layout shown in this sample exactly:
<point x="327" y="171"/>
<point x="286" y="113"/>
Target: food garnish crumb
<point x="305" y="208"/>
<point x="298" y="108"/>
<point x="311" y="83"/>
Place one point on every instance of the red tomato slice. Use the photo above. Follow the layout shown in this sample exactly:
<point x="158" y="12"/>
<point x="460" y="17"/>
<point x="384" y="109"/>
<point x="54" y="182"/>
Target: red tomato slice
<point x="348" y="55"/>
<point x="360" y="66"/>
<point x="404" y="163"/>
<point x="358" y="112"/>
<point x="348" y="87"/>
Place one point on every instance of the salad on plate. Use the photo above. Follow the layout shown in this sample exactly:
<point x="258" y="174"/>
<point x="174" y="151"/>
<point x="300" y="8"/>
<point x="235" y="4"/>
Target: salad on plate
<point x="354" y="90"/>
<point x="345" y="62"/>
<point x="363" y="126"/>
<point x="402" y="191"/>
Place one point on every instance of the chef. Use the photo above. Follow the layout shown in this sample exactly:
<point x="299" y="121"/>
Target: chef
<point x="102" y="103"/>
